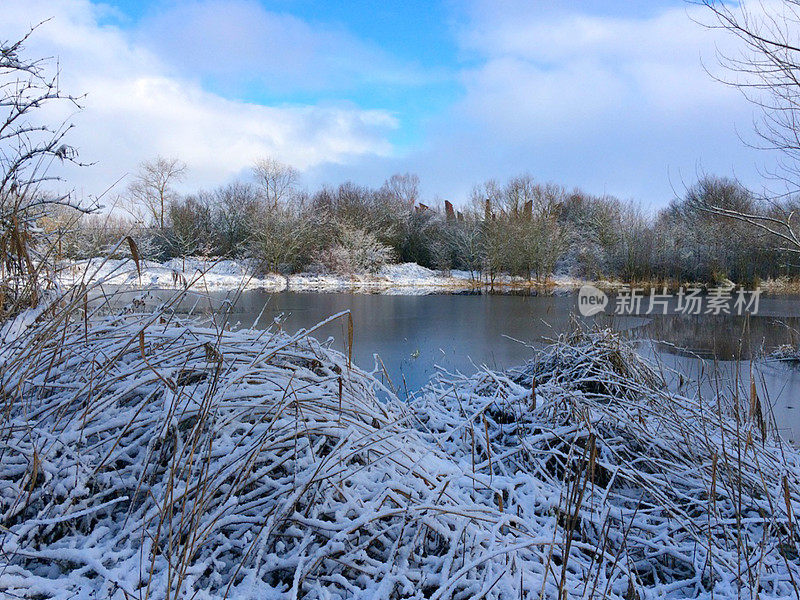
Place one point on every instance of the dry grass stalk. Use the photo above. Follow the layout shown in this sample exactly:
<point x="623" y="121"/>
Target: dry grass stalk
<point x="146" y="456"/>
<point x="652" y="493"/>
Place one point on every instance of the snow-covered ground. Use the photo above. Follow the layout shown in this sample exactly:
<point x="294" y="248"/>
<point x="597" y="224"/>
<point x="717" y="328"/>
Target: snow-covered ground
<point x="173" y="274"/>
<point x="407" y="278"/>
<point x="394" y="279"/>
<point x="218" y="274"/>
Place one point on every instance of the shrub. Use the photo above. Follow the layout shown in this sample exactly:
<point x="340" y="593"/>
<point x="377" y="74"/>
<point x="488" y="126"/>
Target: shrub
<point x="285" y="238"/>
<point x="191" y="226"/>
<point x="355" y="251"/>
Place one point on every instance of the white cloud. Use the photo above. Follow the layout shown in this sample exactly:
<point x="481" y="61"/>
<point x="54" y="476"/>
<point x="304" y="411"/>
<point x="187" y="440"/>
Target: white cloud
<point x="137" y="107"/>
<point x="614" y="104"/>
<point x="239" y="41"/>
<point x="618" y="104"/>
<point x="654" y="62"/>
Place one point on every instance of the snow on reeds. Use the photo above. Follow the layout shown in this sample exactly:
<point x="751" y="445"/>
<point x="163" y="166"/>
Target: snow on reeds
<point x="640" y="492"/>
<point x="145" y="456"/>
<point x="786" y="353"/>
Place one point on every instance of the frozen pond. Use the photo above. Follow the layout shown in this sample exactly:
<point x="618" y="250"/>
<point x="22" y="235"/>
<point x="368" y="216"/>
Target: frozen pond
<point x="415" y="335"/>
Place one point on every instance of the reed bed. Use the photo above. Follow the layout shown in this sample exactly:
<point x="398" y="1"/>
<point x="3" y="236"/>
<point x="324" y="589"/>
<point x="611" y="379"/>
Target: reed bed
<point x="149" y="456"/>
<point x="642" y="492"/>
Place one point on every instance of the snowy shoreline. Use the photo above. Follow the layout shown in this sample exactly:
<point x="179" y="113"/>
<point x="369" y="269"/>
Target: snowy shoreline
<point x="404" y="279"/>
<point x="223" y="275"/>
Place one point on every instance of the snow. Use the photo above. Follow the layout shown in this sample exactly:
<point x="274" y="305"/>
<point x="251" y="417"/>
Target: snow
<point x="786" y="353"/>
<point x="406" y="278"/>
<point x="149" y="456"/>
<point x="407" y="272"/>
<point x="13" y="328"/>
<point x="397" y="279"/>
<point x="210" y="274"/>
<point x="174" y="274"/>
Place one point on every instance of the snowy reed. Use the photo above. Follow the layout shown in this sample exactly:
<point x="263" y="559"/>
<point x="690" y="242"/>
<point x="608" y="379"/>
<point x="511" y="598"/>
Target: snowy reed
<point x="642" y="492"/>
<point x="151" y="456"/>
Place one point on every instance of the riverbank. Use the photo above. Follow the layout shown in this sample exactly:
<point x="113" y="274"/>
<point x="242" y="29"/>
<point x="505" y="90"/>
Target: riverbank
<point x="217" y="275"/>
<point x="394" y="279"/>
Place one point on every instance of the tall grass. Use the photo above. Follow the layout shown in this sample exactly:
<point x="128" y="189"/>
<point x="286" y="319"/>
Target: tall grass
<point x="642" y="492"/>
<point x="146" y="455"/>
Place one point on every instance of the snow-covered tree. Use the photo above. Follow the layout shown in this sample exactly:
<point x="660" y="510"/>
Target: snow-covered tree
<point x="278" y="181"/>
<point x="355" y="251"/>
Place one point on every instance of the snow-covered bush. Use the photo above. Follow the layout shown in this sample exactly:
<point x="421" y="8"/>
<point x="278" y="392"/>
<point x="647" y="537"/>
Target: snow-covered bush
<point x="355" y="251"/>
<point x="284" y="238"/>
<point x="786" y="353"/>
<point x="583" y="446"/>
<point x="219" y="464"/>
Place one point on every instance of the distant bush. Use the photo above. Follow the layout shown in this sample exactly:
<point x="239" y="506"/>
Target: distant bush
<point x="192" y="229"/>
<point x="521" y="228"/>
<point x="286" y="239"/>
<point x="355" y="251"/>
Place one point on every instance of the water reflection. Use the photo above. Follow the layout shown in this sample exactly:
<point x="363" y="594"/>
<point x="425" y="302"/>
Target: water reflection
<point x="414" y="336"/>
<point x="777" y="384"/>
<point x="722" y="337"/>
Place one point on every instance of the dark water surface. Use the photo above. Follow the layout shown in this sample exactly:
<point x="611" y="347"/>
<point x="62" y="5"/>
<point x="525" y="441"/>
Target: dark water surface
<point x="415" y="335"/>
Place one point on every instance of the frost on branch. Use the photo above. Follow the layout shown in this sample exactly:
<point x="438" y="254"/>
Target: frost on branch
<point x="28" y="147"/>
<point x="355" y="251"/>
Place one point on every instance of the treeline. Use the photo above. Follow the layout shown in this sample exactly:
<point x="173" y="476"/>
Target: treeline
<point x="523" y="228"/>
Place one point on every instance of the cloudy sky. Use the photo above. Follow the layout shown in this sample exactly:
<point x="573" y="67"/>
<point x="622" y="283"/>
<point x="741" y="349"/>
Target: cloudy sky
<point x="611" y="96"/>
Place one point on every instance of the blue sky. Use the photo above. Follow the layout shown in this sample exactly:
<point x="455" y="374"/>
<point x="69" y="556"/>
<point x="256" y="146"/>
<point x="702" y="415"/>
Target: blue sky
<point x="610" y="96"/>
<point x="414" y="38"/>
<point x="419" y="37"/>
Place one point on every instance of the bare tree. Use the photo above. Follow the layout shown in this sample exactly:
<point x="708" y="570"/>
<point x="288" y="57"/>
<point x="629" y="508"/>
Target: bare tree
<point x="237" y="207"/>
<point x="705" y="244"/>
<point x="285" y="237"/>
<point x="152" y="190"/>
<point x="97" y="234"/>
<point x="767" y="71"/>
<point x="404" y="188"/>
<point x="630" y="254"/>
<point x="277" y="180"/>
<point x="467" y="237"/>
<point x="191" y="225"/>
<point x="28" y="149"/>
